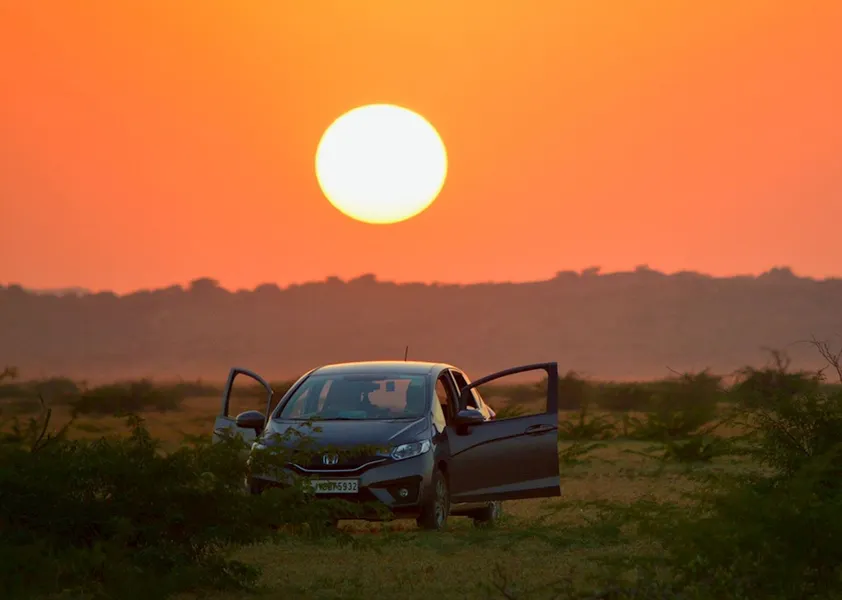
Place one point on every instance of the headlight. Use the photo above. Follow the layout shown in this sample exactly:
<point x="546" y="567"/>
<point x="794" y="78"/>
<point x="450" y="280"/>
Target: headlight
<point x="410" y="450"/>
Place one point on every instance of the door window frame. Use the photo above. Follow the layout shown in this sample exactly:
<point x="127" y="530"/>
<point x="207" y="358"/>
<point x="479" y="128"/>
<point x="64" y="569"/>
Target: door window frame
<point x="474" y="392"/>
<point x="451" y="391"/>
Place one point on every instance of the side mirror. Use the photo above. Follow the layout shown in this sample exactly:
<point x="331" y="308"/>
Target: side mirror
<point x="469" y="416"/>
<point x="251" y="419"/>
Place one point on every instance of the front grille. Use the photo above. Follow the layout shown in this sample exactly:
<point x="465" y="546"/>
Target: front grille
<point x="316" y="463"/>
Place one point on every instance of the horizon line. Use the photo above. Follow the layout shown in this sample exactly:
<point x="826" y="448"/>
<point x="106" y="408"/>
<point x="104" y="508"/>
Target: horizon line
<point x="588" y="272"/>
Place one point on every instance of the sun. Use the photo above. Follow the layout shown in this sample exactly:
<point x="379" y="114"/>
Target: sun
<point x="381" y="163"/>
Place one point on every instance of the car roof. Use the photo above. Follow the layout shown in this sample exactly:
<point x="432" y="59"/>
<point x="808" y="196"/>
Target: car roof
<point x="411" y="367"/>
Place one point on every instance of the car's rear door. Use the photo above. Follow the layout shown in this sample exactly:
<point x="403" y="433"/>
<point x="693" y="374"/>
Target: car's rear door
<point x="225" y="423"/>
<point x="507" y="458"/>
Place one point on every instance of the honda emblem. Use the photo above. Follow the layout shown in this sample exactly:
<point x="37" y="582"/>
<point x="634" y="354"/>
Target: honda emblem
<point x="330" y="459"/>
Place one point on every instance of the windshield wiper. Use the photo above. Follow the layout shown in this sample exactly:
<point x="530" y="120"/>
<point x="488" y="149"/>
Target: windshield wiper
<point x="317" y="419"/>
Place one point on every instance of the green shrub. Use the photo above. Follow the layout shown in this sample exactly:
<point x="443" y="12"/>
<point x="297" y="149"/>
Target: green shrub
<point x="773" y="533"/>
<point x="792" y="419"/>
<point x="586" y="427"/>
<point x="699" y="448"/>
<point x="623" y="397"/>
<point x="255" y="395"/>
<point x="13" y="400"/>
<point x="680" y="407"/>
<point x="510" y="410"/>
<point x="773" y="386"/>
<point x="193" y="389"/>
<point x="118" y="518"/>
<point x="574" y="453"/>
<point x="127" y="397"/>
<point x="573" y="391"/>
<point x="55" y="389"/>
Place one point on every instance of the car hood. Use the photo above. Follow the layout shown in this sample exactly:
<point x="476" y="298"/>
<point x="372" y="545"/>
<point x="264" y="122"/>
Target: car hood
<point x="348" y="433"/>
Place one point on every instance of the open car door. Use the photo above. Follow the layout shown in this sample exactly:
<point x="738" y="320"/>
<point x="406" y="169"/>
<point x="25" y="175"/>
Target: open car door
<point x="226" y="424"/>
<point x="505" y="458"/>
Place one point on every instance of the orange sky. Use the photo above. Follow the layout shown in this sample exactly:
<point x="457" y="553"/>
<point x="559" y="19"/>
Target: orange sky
<point x="143" y="143"/>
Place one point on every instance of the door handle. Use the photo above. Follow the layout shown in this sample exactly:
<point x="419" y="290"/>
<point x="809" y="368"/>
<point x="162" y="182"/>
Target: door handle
<point x="539" y="428"/>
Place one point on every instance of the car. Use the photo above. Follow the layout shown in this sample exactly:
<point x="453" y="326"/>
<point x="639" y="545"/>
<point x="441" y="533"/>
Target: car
<point x="445" y="452"/>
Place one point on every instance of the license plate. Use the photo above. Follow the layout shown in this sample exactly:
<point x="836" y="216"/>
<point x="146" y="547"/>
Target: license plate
<point x="335" y="486"/>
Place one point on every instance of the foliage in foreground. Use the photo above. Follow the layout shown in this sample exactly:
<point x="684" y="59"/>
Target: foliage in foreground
<point x="773" y="533"/>
<point x="166" y="522"/>
<point x="118" y="518"/>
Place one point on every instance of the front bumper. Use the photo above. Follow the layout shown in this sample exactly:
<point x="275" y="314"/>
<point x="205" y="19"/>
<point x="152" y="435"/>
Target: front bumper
<point x="399" y="486"/>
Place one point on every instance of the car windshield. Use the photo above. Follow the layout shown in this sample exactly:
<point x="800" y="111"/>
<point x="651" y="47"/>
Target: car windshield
<point x="356" y="396"/>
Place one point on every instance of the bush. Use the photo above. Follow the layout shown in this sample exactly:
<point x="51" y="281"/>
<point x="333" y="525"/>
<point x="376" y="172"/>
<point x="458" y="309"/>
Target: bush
<point x="127" y="397"/>
<point x="699" y="448"/>
<point x="775" y="533"/>
<point x="13" y="400"/>
<point x="680" y="407"/>
<point x="255" y="395"/>
<point x="575" y="453"/>
<point x="53" y="388"/>
<point x="622" y="397"/>
<point x="573" y="392"/>
<point x="194" y="389"/>
<point x="118" y="518"/>
<point x="586" y="427"/>
<point x="773" y="386"/>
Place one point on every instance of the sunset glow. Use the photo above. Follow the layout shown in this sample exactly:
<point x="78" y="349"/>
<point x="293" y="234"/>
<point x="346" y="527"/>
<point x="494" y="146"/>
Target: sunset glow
<point x="682" y="135"/>
<point x="381" y="163"/>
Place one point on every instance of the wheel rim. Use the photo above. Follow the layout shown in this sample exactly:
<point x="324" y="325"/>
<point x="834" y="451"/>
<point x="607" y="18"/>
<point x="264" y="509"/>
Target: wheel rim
<point x="441" y="503"/>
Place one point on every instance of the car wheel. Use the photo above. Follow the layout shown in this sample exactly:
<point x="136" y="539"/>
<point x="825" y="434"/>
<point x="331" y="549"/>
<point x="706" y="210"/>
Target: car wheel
<point x="488" y="516"/>
<point x="436" y="508"/>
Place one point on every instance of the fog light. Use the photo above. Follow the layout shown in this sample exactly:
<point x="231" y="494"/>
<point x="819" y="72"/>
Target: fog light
<point x="403" y="492"/>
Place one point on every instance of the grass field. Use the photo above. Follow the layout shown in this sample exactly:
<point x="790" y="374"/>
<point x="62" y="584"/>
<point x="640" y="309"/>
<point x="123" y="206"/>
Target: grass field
<point x="541" y="549"/>
<point x="581" y="545"/>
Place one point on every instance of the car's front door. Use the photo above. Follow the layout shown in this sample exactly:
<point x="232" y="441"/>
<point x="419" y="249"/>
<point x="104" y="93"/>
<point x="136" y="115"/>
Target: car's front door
<point x="508" y="458"/>
<point x="226" y="423"/>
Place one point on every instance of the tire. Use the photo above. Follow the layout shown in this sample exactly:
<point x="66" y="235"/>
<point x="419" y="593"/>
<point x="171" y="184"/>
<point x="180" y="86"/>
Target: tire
<point x="489" y="515"/>
<point x="436" y="507"/>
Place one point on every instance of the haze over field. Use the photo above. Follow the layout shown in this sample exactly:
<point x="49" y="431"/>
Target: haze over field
<point x="151" y="143"/>
<point x="620" y="325"/>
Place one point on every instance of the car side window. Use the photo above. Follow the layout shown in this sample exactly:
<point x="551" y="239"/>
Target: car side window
<point x="461" y="381"/>
<point x="444" y="394"/>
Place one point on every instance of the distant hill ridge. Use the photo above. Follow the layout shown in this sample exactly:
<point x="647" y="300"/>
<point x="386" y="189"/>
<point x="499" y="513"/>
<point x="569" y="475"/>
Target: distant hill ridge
<point x="622" y="325"/>
<point x="71" y="291"/>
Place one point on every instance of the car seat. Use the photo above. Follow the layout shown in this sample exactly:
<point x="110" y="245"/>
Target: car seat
<point x="415" y="400"/>
<point x="341" y="396"/>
